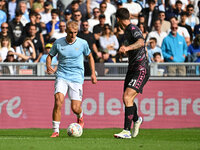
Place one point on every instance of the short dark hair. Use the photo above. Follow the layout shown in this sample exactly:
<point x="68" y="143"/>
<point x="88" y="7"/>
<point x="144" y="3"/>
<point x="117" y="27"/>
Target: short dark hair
<point x="55" y="11"/>
<point x="156" y="54"/>
<point x="190" y="6"/>
<point x="154" y="39"/>
<point x="18" y="13"/>
<point x="151" y="1"/>
<point x="74" y="2"/>
<point x="184" y="13"/>
<point x="178" y="2"/>
<point x="123" y="14"/>
<point x="32" y="13"/>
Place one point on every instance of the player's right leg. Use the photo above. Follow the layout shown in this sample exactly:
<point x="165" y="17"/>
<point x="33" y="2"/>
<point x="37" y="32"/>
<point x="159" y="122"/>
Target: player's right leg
<point x="128" y="98"/>
<point x="60" y="91"/>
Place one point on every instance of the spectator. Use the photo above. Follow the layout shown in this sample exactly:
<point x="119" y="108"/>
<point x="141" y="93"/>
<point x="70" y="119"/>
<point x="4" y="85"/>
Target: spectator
<point x="5" y="46"/>
<point x="83" y="9"/>
<point x="32" y="17"/>
<point x="38" y="6"/>
<point x="183" y="24"/>
<point x="89" y="37"/>
<point x="22" y="6"/>
<point x="92" y="4"/>
<point x="181" y="30"/>
<point x="97" y="30"/>
<point x="174" y="49"/>
<point x="194" y="50"/>
<point x="26" y="51"/>
<point x="3" y="17"/>
<point x="141" y="19"/>
<point x="168" y="10"/>
<point x="191" y="20"/>
<point x="106" y="59"/>
<point x="134" y="9"/>
<point x="77" y="17"/>
<point x="44" y="56"/>
<point x="4" y="30"/>
<point x="111" y="9"/>
<point x="184" y="4"/>
<point x="158" y="34"/>
<point x="53" y="25"/>
<point x="46" y="14"/>
<point x="109" y="41"/>
<point x="74" y="6"/>
<point x="16" y="28"/>
<point x="95" y="19"/>
<point x="67" y="16"/>
<point x="165" y="25"/>
<point x="151" y="14"/>
<point x="153" y="48"/>
<point x="46" y="52"/>
<point x="12" y="5"/>
<point x="103" y="9"/>
<point x="113" y="16"/>
<point x="162" y="70"/>
<point x="143" y="30"/>
<point x="178" y="9"/>
<point x="38" y="18"/>
<point x="36" y="42"/>
<point x="196" y="30"/>
<point x="61" y="33"/>
<point x="4" y="6"/>
<point x="10" y="69"/>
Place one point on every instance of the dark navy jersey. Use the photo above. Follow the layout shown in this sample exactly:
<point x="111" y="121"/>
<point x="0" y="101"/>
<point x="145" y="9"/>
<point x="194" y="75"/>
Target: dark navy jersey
<point x="137" y="58"/>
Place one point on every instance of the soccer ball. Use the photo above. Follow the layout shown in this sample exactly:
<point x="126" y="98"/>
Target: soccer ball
<point x="75" y="130"/>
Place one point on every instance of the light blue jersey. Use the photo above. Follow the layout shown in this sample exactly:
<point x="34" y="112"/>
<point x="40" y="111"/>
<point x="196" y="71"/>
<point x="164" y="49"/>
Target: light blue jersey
<point x="70" y="59"/>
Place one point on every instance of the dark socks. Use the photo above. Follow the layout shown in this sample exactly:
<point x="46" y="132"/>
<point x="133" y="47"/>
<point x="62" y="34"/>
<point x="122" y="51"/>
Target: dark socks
<point x="135" y="115"/>
<point x="129" y="111"/>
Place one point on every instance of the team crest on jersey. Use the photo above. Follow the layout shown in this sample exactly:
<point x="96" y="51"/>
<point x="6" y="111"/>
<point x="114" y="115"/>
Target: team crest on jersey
<point x="136" y="34"/>
<point x="76" y="48"/>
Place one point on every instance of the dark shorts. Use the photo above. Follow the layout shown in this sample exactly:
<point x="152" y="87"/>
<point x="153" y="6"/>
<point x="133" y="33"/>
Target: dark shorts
<point x="136" y="79"/>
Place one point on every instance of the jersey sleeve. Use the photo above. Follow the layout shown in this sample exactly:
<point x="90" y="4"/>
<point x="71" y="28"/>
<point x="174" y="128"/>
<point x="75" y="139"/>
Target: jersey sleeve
<point x="87" y="50"/>
<point x="136" y="33"/>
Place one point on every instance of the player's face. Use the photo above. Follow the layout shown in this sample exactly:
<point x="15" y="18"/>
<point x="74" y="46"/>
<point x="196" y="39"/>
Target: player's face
<point x="119" y="21"/>
<point x="71" y="33"/>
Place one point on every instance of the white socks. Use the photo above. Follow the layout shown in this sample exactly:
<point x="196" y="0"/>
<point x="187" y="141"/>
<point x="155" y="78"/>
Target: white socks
<point x="56" y="125"/>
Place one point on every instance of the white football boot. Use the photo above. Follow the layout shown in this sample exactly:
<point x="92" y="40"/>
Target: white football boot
<point x="125" y="134"/>
<point x="136" y="127"/>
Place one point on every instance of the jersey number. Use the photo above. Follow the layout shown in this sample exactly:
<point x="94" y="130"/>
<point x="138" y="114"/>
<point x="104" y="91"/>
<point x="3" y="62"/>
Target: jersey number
<point x="132" y="82"/>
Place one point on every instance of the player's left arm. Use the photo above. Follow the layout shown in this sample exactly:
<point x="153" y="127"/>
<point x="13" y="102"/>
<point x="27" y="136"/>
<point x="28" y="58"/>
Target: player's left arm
<point x="92" y="68"/>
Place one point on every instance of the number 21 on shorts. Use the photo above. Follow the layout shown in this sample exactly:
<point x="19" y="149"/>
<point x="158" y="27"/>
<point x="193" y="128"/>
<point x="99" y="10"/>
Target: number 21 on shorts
<point x="132" y="82"/>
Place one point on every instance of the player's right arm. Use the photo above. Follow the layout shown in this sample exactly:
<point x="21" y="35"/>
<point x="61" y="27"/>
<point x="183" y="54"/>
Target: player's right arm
<point x="50" y="69"/>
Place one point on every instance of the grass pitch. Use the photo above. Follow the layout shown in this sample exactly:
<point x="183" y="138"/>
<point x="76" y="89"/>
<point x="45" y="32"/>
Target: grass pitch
<point x="100" y="139"/>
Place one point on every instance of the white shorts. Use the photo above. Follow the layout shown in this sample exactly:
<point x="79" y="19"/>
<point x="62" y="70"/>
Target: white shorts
<point x="74" y="90"/>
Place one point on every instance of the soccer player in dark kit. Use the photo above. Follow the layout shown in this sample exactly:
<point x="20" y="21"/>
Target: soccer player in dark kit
<point x="137" y="74"/>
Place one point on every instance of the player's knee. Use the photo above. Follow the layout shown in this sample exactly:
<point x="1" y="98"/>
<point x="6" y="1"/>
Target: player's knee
<point x="58" y="101"/>
<point x="128" y="100"/>
<point x="75" y="108"/>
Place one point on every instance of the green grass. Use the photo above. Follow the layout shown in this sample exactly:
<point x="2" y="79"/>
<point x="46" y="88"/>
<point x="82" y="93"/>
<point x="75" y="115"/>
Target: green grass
<point x="100" y="139"/>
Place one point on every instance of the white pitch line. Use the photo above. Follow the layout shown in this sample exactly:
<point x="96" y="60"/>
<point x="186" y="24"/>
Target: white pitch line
<point x="23" y="138"/>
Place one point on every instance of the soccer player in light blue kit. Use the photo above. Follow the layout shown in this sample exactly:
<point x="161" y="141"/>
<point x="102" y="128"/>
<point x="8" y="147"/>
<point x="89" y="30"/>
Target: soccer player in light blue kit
<point x="70" y="73"/>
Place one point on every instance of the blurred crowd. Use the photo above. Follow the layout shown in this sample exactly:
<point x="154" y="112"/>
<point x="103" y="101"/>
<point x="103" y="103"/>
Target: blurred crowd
<point x="170" y="27"/>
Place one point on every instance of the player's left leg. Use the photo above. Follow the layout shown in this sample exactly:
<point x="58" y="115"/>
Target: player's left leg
<point x="76" y="108"/>
<point x="75" y="94"/>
